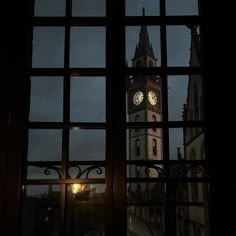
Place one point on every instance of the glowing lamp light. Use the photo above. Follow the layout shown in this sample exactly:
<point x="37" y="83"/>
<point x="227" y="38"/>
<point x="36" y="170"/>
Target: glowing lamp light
<point x="76" y="188"/>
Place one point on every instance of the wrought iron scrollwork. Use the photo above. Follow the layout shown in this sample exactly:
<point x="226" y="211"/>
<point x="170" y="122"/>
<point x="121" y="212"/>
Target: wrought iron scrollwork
<point x="184" y="170"/>
<point x="85" y="171"/>
<point x="172" y="170"/>
<point x="47" y="171"/>
<point x="80" y="172"/>
<point x="158" y="169"/>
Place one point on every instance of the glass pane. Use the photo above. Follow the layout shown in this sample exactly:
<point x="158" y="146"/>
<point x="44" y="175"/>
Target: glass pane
<point x="135" y="8"/>
<point x="187" y="143"/>
<point x="44" y="145"/>
<point x="177" y="96"/>
<point x="88" y="7"/>
<point x="85" y="210"/>
<point x="48" y="47"/>
<point x="191" y="192"/>
<point x="192" y="220"/>
<point x="181" y="7"/>
<point x="87" y="47"/>
<point x="144" y="94"/>
<point x="40" y="214"/>
<point x="49" y="8"/>
<point x="87" y="145"/>
<point x="183" y="46"/>
<point x="88" y="97"/>
<point x="146" y="192"/>
<point x="44" y="171"/>
<point x="143" y="46"/>
<point x="144" y="144"/>
<point x="186" y="98"/>
<point x="145" y="221"/>
<point x="46" y="100"/>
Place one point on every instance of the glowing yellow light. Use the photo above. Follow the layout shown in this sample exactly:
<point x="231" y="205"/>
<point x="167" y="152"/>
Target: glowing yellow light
<point x="75" y="188"/>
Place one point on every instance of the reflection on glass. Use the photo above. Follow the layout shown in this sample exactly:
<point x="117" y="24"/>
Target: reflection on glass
<point x="40" y="214"/>
<point x="192" y="220"/>
<point x="87" y="145"/>
<point x="145" y="221"/>
<point x="85" y="210"/>
<point x="44" y="145"/>
<point x="87" y="47"/>
<point x="87" y="99"/>
<point x="49" y="8"/>
<point x="48" y="47"/>
<point x="144" y="144"/>
<point x="147" y="51"/>
<point x="46" y="100"/>
<point x="187" y="143"/>
<point x="88" y="7"/>
<point x="181" y="7"/>
<point x="135" y="8"/>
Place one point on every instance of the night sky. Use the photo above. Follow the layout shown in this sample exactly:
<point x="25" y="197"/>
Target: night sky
<point x="88" y="94"/>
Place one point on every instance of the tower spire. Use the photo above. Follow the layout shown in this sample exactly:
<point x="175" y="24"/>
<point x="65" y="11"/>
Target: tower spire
<point x="144" y="48"/>
<point x="143" y="10"/>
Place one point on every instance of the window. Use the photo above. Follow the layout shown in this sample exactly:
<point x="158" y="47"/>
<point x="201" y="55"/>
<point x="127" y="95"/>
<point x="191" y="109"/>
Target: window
<point x="137" y="147"/>
<point x="77" y="151"/>
<point x="154" y="147"/>
<point x="154" y="119"/>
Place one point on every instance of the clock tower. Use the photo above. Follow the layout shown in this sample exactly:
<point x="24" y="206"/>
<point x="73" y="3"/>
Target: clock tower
<point x="144" y="105"/>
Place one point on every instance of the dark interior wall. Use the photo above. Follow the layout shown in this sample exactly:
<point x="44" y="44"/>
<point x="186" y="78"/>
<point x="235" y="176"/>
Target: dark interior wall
<point x="14" y="105"/>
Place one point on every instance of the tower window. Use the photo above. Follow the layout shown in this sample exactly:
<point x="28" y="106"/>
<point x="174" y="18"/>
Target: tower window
<point x="137" y="119"/>
<point x="154" y="119"/>
<point x="154" y="147"/>
<point x="137" y="147"/>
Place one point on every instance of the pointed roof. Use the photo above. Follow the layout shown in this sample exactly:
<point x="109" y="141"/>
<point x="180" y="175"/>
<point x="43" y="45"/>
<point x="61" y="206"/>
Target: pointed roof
<point x="144" y="47"/>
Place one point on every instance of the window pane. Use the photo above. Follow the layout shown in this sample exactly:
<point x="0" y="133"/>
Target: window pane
<point x="48" y="47"/>
<point x="192" y="220"/>
<point x="87" y="47"/>
<point x="146" y="192"/>
<point x="49" y="8"/>
<point x="135" y="8"/>
<point x="85" y="210"/>
<point x="44" y="145"/>
<point x="186" y="98"/>
<point x="87" y="145"/>
<point x="141" y="144"/>
<point x="143" y="46"/>
<point x="46" y="100"/>
<point x="181" y="49"/>
<point x="181" y="7"/>
<point x="187" y="143"/>
<point x="88" y="7"/>
<point x="145" y="220"/>
<point x="41" y="211"/>
<point x="44" y="171"/>
<point x="88" y="97"/>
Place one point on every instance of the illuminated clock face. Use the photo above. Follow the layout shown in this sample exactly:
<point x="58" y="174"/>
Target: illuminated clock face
<point x="152" y="98"/>
<point x="138" y="97"/>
